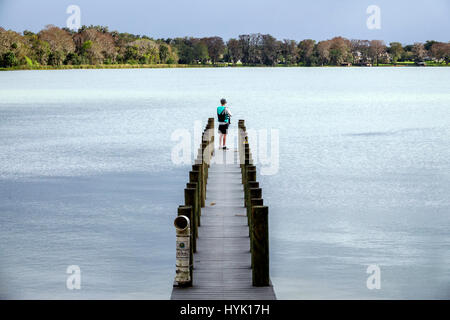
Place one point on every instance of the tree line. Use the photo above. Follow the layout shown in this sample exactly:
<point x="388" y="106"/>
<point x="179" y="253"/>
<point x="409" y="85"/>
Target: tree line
<point x="96" y="45"/>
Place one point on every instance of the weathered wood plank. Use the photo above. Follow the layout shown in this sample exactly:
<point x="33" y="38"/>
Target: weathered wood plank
<point x="222" y="264"/>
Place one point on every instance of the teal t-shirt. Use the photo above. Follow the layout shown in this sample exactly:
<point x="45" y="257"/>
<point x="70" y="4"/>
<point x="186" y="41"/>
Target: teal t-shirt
<point x="219" y="111"/>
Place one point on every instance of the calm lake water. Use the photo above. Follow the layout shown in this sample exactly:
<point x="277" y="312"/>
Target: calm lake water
<point x="86" y="177"/>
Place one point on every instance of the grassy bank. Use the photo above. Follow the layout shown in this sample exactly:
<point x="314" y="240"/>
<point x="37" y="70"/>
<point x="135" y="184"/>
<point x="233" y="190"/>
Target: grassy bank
<point x="159" y="66"/>
<point x="100" y="66"/>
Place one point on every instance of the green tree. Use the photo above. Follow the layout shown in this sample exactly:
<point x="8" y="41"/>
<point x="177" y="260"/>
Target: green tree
<point x="428" y="44"/>
<point x="40" y="50"/>
<point x="215" y="47"/>
<point x="289" y="51"/>
<point x="377" y="49"/>
<point x="419" y="52"/>
<point x="323" y="52"/>
<point x="339" y="50"/>
<point x="200" y="52"/>
<point x="441" y="51"/>
<point x="185" y="50"/>
<point x="234" y="50"/>
<point x="56" y="58"/>
<point x="58" y="39"/>
<point x="306" y="51"/>
<point x="74" y="59"/>
<point x="395" y="50"/>
<point x="8" y="59"/>
<point x="91" y="51"/>
<point x="164" y="53"/>
<point x="270" y="49"/>
<point x="131" y="55"/>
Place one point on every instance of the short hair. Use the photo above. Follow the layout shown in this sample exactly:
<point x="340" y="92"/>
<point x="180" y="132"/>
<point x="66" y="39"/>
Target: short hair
<point x="223" y="101"/>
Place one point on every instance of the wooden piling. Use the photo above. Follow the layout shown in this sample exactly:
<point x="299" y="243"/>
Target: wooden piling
<point x="250" y="177"/>
<point x="198" y="168"/>
<point x="249" y="185"/>
<point x="189" y="200"/>
<point x="247" y="162"/>
<point x="188" y="212"/>
<point x="194" y="178"/>
<point x="194" y="185"/>
<point x="253" y="193"/>
<point x="254" y="202"/>
<point x="254" y="209"/>
<point x="260" y="246"/>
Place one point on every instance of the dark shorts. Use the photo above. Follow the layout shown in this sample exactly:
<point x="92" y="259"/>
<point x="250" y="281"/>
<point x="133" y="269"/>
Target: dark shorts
<point x="223" y="128"/>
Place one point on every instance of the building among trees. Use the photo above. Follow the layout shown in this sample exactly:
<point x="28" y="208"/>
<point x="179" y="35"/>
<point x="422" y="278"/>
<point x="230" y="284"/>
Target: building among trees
<point x="96" y="45"/>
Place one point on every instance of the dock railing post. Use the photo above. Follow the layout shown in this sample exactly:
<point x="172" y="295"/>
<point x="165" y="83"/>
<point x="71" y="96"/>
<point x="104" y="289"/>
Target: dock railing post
<point x="211" y="133"/>
<point x="254" y="202"/>
<point x="198" y="168"/>
<point x="189" y="200"/>
<point x="253" y="193"/>
<point x="247" y="161"/>
<point x="260" y="246"/>
<point x="194" y="179"/>
<point x="183" y="255"/>
<point x="194" y="185"/>
<point x="195" y="197"/>
<point x="203" y="174"/>
<point x="251" y="177"/>
<point x="248" y="199"/>
<point x="257" y="213"/>
<point x="188" y="212"/>
<point x="241" y="140"/>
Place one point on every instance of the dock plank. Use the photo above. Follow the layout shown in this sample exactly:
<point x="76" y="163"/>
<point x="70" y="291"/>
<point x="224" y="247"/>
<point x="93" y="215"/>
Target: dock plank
<point x="222" y="264"/>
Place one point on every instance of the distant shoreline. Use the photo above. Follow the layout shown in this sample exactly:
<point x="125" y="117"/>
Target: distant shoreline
<point x="95" y="47"/>
<point x="170" y="66"/>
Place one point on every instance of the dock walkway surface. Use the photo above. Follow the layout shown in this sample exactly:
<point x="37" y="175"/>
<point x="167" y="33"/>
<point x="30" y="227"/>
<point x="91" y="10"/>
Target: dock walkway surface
<point x="222" y="263"/>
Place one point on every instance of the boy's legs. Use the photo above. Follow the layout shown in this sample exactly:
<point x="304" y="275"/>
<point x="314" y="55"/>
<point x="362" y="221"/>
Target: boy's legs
<point x="220" y="139"/>
<point x="224" y="140"/>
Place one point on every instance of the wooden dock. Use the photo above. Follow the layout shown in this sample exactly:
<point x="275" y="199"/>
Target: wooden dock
<point x="222" y="262"/>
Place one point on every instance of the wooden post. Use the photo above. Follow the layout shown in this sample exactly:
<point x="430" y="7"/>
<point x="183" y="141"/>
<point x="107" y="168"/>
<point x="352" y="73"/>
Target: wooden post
<point x="247" y="161"/>
<point x="204" y="168"/>
<point x="194" y="185"/>
<point x="243" y="134"/>
<point x="189" y="200"/>
<point x="257" y="202"/>
<point x="254" y="202"/>
<point x="205" y="155"/>
<point x="250" y="184"/>
<point x="211" y="134"/>
<point x="250" y="177"/>
<point x="205" y="179"/>
<point x="194" y="178"/>
<point x="188" y="212"/>
<point x="253" y="193"/>
<point x="248" y="165"/>
<point x="198" y="168"/>
<point x="211" y="128"/>
<point x="260" y="246"/>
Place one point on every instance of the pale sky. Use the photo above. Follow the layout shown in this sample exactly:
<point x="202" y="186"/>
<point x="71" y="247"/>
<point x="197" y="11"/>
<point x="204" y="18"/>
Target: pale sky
<point x="406" y="21"/>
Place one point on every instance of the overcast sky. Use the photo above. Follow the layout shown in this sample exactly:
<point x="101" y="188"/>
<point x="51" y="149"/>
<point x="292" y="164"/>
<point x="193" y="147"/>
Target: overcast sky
<point x="406" y="21"/>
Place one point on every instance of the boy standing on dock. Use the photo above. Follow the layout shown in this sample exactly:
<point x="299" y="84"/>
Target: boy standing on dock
<point x="223" y="115"/>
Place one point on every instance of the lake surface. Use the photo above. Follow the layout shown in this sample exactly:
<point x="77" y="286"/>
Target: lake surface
<point x="86" y="177"/>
